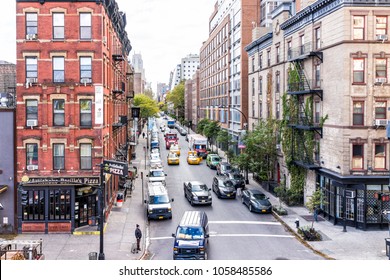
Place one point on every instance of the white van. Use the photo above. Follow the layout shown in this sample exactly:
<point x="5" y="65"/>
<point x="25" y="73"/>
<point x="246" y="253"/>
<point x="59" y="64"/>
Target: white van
<point x="158" y="202"/>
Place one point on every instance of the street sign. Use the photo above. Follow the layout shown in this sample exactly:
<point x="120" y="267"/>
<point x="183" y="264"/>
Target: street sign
<point x="115" y="167"/>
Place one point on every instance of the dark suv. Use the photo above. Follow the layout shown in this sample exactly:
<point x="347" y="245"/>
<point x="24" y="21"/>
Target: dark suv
<point x="223" y="187"/>
<point x="237" y="179"/>
<point x="223" y="168"/>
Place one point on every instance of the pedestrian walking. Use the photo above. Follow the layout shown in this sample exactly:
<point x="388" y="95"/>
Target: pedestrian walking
<point x="143" y="134"/>
<point x="138" y="236"/>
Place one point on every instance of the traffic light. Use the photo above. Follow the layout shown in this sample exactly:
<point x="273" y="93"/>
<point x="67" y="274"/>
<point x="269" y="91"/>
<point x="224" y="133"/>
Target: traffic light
<point x="24" y="197"/>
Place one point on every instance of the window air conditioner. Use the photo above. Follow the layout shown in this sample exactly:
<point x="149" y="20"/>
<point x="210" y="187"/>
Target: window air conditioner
<point x="32" y="123"/>
<point x="31" y="36"/>
<point x="104" y="40"/>
<point x="380" y="122"/>
<point x="85" y="81"/>
<point x="381" y="37"/>
<point x="31" y="80"/>
<point x="32" y="167"/>
<point x="380" y="80"/>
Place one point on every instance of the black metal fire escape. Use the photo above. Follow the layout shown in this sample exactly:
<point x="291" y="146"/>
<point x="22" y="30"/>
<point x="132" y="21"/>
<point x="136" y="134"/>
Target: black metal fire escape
<point x="300" y="87"/>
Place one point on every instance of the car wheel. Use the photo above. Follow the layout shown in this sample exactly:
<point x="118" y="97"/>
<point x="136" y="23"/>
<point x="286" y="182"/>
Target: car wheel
<point x="242" y="200"/>
<point x="250" y="208"/>
<point x="192" y="202"/>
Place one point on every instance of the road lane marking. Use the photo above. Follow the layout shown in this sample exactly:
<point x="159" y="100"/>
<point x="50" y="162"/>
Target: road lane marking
<point x="233" y="235"/>
<point x="246" y="222"/>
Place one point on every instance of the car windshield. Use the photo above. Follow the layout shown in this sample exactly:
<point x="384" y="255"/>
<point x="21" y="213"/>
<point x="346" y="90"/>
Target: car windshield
<point x="215" y="158"/>
<point x="259" y="196"/>
<point x="197" y="188"/>
<point x="158" y="199"/>
<point x="236" y="176"/>
<point x="172" y="155"/>
<point x="190" y="233"/>
<point x="228" y="183"/>
<point x="157" y="173"/>
<point x="226" y="167"/>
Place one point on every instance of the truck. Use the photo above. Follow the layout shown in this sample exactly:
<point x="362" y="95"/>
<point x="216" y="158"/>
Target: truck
<point x="198" y="143"/>
<point x="170" y="138"/>
<point x="171" y="123"/>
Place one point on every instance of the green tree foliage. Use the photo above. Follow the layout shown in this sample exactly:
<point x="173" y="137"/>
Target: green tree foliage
<point x="201" y="125"/>
<point x="147" y="105"/>
<point x="211" y="130"/>
<point x="176" y="96"/>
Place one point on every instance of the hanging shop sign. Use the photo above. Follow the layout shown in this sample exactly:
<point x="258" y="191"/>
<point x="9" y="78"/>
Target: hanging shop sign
<point x="115" y="167"/>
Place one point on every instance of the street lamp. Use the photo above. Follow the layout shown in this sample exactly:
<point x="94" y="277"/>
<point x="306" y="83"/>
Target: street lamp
<point x="245" y="126"/>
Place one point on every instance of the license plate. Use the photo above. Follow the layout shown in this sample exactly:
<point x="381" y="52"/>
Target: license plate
<point x="263" y="211"/>
<point x="228" y="195"/>
<point x="203" y="201"/>
<point x="161" y="217"/>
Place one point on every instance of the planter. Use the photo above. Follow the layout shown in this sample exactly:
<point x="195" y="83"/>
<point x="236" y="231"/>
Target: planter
<point x="309" y="234"/>
<point x="279" y="210"/>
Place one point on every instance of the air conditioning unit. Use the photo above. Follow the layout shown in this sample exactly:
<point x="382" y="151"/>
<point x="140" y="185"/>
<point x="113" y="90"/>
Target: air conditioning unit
<point x="32" y="123"/>
<point x="32" y="167"/>
<point x="381" y="122"/>
<point x="31" y="37"/>
<point x="381" y="37"/>
<point x="31" y="80"/>
<point x="104" y="40"/>
<point x="380" y="80"/>
<point x="85" y="81"/>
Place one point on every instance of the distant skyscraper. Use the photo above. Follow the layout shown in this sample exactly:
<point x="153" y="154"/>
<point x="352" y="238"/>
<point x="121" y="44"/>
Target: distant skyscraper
<point x="139" y="73"/>
<point x="186" y="69"/>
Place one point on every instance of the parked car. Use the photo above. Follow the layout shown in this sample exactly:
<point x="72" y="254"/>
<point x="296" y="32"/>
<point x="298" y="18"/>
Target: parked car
<point x="256" y="201"/>
<point x="182" y="131"/>
<point x="237" y="179"/>
<point x="223" y="187"/>
<point x="173" y="158"/>
<point x="212" y="160"/>
<point x="193" y="158"/>
<point x="223" y="168"/>
<point x="197" y="193"/>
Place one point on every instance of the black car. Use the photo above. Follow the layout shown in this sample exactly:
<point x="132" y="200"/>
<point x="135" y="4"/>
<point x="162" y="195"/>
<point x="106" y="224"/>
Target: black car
<point x="256" y="201"/>
<point x="237" y="179"/>
<point x="223" y="168"/>
<point x="197" y="193"/>
<point x="223" y="187"/>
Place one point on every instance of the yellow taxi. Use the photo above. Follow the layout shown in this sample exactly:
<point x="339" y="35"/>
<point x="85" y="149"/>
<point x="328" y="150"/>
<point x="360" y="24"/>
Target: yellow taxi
<point x="192" y="158"/>
<point x="175" y="149"/>
<point x="173" y="158"/>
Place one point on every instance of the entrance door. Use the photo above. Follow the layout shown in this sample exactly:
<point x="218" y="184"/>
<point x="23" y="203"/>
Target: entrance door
<point x="85" y="210"/>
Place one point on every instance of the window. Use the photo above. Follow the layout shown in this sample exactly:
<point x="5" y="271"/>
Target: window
<point x="58" y="156"/>
<point x="58" y="112"/>
<point x="58" y="26"/>
<point x="85" y="69"/>
<point x="358" y="27"/>
<point x="58" y="69"/>
<point x="32" y="157"/>
<point x="31" y="23"/>
<point x="31" y="109"/>
<point x="289" y="49"/>
<point x="31" y="69"/>
<point x="317" y="112"/>
<point x="85" y="156"/>
<point x="277" y="82"/>
<point x="380" y="110"/>
<point x="33" y="205"/>
<point x="380" y="156"/>
<point x="260" y="109"/>
<point x="85" y="26"/>
<point x="277" y="111"/>
<point x="302" y="44"/>
<point x="269" y="58"/>
<point x="260" y="85"/>
<point x="358" y="113"/>
<point x="381" y="25"/>
<point x="253" y="64"/>
<point x="380" y="68"/>
<point x="277" y="54"/>
<point x="317" y="38"/>
<point x="253" y="86"/>
<point x="261" y="61"/>
<point x="317" y="75"/>
<point x="85" y="112"/>
<point x="253" y="109"/>
<point x="59" y="204"/>
<point x="358" y="70"/>
<point x="357" y="156"/>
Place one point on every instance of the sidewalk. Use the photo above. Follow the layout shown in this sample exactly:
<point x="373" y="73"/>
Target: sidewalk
<point x="354" y="244"/>
<point x="118" y="230"/>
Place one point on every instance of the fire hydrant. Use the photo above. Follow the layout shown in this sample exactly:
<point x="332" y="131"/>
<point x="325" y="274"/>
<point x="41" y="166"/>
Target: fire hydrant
<point x="297" y="222"/>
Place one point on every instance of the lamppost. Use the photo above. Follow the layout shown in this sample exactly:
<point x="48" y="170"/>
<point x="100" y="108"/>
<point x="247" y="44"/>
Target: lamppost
<point x="245" y="126"/>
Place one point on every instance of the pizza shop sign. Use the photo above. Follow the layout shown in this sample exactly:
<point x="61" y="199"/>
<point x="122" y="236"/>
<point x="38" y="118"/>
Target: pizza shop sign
<point x="115" y="167"/>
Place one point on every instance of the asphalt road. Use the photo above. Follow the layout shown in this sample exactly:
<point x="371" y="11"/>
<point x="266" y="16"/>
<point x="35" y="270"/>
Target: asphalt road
<point x="235" y="233"/>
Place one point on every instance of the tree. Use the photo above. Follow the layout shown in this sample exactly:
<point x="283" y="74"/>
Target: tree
<point x="148" y="106"/>
<point x="176" y="96"/>
<point x="149" y="92"/>
<point x="211" y="130"/>
<point x="201" y="125"/>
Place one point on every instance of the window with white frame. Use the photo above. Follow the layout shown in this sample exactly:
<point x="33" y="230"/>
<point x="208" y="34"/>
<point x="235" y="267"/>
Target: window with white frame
<point x="85" y="69"/>
<point x="317" y="38"/>
<point x="358" y="27"/>
<point x="58" y="156"/>
<point x="58" y="26"/>
<point x="85" y="112"/>
<point x="31" y="109"/>
<point x="31" y="69"/>
<point x="32" y="156"/>
<point x="85" y="156"/>
<point x="58" y="69"/>
<point x="85" y="26"/>
<point x="31" y="24"/>
<point x="380" y="156"/>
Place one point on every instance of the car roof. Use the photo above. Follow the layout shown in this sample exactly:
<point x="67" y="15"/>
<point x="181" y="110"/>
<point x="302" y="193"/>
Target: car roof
<point x="255" y="191"/>
<point x="196" y="183"/>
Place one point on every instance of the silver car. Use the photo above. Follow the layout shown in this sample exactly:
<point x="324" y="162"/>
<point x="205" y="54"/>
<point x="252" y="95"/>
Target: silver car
<point x="197" y="193"/>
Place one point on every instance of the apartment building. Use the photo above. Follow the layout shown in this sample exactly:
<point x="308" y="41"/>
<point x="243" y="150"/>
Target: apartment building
<point x="73" y="102"/>
<point x="223" y="77"/>
<point x="331" y="60"/>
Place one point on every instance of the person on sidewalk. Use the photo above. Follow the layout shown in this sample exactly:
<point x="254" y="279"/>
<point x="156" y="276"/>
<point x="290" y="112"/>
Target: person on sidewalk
<point x="138" y="236"/>
<point x="143" y="135"/>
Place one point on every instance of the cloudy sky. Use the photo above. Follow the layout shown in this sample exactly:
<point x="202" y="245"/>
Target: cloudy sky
<point x="163" y="31"/>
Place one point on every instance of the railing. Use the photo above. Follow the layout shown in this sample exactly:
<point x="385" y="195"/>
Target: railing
<point x="301" y="50"/>
<point x="305" y="85"/>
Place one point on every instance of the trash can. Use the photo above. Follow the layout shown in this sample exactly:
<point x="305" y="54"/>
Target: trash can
<point x="92" y="221"/>
<point x="93" y="256"/>
<point x="119" y="199"/>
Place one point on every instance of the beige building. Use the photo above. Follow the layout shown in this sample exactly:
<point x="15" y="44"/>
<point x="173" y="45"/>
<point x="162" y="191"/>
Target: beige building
<point x="339" y="56"/>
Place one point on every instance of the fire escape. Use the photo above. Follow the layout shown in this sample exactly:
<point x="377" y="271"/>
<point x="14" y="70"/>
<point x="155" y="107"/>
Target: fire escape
<point x="300" y="88"/>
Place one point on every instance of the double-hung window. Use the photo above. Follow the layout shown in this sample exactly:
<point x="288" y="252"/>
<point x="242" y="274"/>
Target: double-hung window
<point x="32" y="156"/>
<point x="85" y="156"/>
<point x="85" y="69"/>
<point x="380" y="156"/>
<point x="31" y="69"/>
<point x="277" y="82"/>
<point x="58" y="26"/>
<point x="31" y="110"/>
<point x="381" y="68"/>
<point x="317" y="38"/>
<point x="31" y="24"/>
<point x="85" y="26"/>
<point x="381" y="25"/>
<point x="260" y="61"/>
<point x="358" y="27"/>
<point x="58" y="69"/>
<point x="58" y="156"/>
<point x="260" y="85"/>
<point x="85" y="113"/>
<point x="358" y="70"/>
<point x="380" y="110"/>
<point x="277" y="54"/>
<point x="357" y="156"/>
<point x="58" y="112"/>
<point x="358" y="113"/>
<point x="253" y="87"/>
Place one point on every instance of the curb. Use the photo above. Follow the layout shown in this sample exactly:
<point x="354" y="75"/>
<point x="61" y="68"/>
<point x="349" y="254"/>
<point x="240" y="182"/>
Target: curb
<point x="95" y="232"/>
<point x="300" y="239"/>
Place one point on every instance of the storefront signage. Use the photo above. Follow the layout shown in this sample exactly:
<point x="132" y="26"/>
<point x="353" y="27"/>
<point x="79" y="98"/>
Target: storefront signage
<point x="99" y="105"/>
<point x="61" y="181"/>
<point x="115" y="167"/>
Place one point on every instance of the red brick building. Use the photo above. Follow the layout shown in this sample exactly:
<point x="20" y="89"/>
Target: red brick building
<point x="73" y="101"/>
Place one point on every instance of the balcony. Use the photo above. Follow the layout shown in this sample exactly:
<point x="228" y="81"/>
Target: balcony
<point x="303" y="52"/>
<point x="305" y="86"/>
<point x="305" y="123"/>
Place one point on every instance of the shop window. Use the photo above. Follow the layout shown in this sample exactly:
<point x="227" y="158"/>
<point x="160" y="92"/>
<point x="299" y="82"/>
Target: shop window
<point x="58" y="112"/>
<point x="58" y="156"/>
<point x="33" y="205"/>
<point x="380" y="156"/>
<point x="358" y="27"/>
<point x="85" y="112"/>
<point x="59" y="204"/>
<point x="357" y="156"/>
<point x="85" y="156"/>
<point x="358" y="113"/>
<point x="31" y="157"/>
